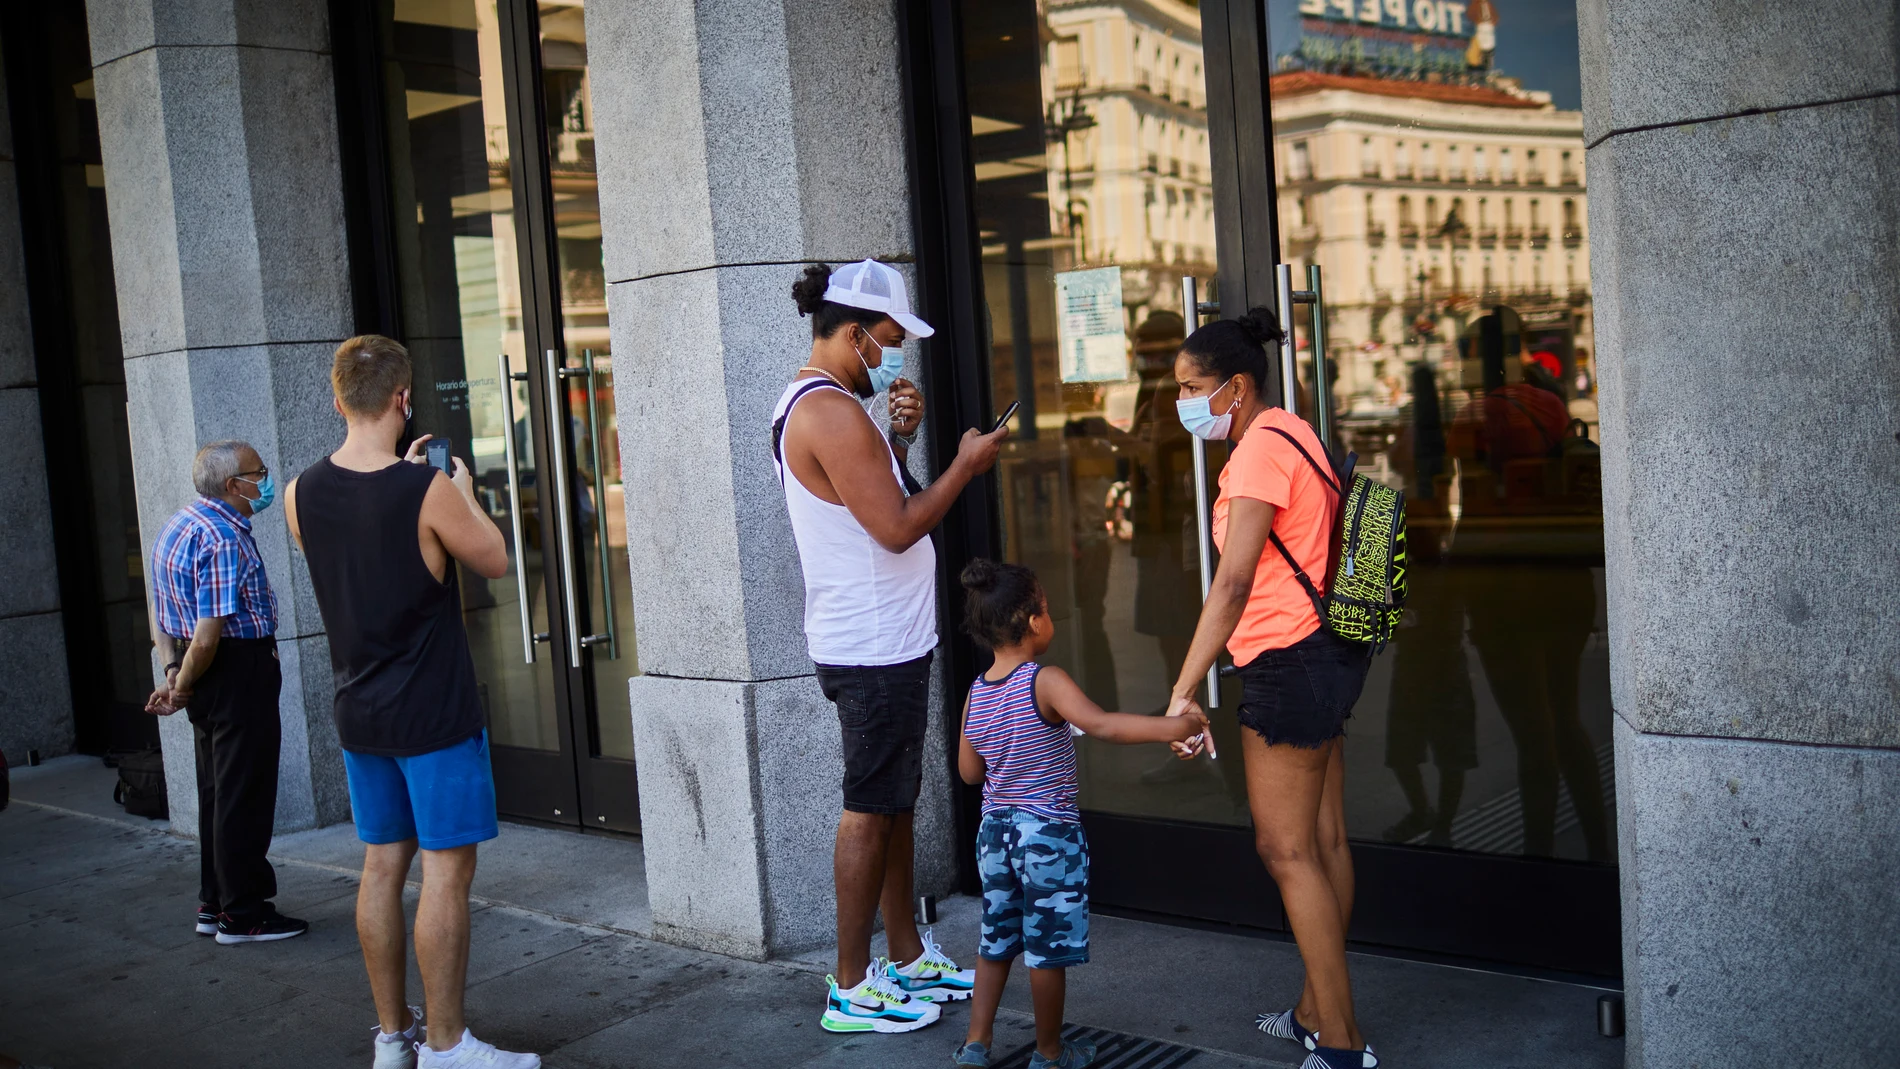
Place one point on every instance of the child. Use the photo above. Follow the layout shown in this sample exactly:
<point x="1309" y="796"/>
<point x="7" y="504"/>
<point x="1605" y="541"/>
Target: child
<point x="1030" y="851"/>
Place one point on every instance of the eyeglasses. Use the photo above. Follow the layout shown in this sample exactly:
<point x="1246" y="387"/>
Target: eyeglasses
<point x="262" y="471"/>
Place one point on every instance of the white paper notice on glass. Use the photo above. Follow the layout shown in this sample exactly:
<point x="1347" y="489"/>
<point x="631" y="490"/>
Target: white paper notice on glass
<point x="1091" y="329"/>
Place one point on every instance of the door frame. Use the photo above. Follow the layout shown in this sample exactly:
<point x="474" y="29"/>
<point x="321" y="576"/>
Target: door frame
<point x="563" y="787"/>
<point x="1542" y="914"/>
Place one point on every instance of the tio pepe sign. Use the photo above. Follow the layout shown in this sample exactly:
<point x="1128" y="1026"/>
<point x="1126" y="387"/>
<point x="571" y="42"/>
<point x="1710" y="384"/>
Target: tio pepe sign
<point x="1442" y="17"/>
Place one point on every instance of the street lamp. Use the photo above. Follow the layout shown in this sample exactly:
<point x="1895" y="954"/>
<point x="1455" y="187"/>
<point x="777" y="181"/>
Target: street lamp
<point x="1067" y="117"/>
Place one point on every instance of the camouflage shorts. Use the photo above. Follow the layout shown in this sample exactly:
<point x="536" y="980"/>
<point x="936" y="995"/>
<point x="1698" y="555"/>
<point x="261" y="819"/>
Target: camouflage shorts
<point x="1035" y="875"/>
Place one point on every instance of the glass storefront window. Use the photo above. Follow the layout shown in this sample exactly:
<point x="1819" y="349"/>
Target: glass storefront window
<point x="1459" y="344"/>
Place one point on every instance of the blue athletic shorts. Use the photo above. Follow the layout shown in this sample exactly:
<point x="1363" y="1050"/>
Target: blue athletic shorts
<point x="442" y="799"/>
<point x="1035" y="875"/>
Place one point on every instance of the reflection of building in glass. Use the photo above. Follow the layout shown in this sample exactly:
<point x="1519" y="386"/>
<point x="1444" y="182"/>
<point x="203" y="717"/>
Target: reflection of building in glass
<point x="1129" y="180"/>
<point x="1427" y="204"/>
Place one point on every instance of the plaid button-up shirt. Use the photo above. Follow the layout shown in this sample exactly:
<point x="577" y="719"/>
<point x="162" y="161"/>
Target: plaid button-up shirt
<point x="206" y="565"/>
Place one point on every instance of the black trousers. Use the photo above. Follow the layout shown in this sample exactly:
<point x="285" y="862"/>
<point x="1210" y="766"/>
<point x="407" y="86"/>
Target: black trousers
<point x="233" y="716"/>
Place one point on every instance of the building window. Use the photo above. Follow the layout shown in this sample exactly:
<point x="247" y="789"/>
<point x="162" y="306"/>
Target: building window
<point x="1300" y="166"/>
<point x="1427" y="163"/>
<point x="1507" y="167"/>
<point x="1478" y="172"/>
<point x="1368" y="158"/>
<point x="1068" y="62"/>
<point x="1533" y="172"/>
<point x="1402" y="160"/>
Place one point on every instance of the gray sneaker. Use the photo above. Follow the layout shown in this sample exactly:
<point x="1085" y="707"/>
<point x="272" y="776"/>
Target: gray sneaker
<point x="1074" y="1056"/>
<point x="975" y="1055"/>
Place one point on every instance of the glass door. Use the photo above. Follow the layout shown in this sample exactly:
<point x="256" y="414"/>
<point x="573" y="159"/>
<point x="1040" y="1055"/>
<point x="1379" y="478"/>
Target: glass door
<point x="1118" y="149"/>
<point x="494" y="246"/>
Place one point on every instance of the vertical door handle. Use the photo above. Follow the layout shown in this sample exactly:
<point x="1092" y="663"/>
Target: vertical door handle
<point x="563" y="507"/>
<point x="1191" y="305"/>
<point x="508" y="378"/>
<point x="1322" y="378"/>
<point x="1289" y="356"/>
<point x="1315" y="300"/>
<point x="600" y="517"/>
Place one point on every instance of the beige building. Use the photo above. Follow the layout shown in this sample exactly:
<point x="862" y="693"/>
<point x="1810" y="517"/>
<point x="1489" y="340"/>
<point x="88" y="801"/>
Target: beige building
<point x="1434" y="200"/>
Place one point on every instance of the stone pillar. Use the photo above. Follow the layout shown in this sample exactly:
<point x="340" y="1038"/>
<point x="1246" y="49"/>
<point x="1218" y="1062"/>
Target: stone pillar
<point x="36" y="711"/>
<point x="218" y="127"/>
<point x="738" y="139"/>
<point x="1745" y="211"/>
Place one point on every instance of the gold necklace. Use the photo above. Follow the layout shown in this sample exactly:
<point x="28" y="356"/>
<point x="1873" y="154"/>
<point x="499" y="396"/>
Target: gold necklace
<point x="834" y="379"/>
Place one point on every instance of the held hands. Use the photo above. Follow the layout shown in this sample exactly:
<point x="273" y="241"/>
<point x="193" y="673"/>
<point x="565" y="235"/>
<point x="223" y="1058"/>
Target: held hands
<point x="1191" y="742"/>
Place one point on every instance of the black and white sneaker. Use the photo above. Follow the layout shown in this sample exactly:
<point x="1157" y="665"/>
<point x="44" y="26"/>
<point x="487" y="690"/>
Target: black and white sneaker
<point x="264" y="929"/>
<point x="1283" y="1025"/>
<point x="207" y="920"/>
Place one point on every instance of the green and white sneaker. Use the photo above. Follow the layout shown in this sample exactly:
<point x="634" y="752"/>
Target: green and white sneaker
<point x="876" y="1005"/>
<point x="933" y="975"/>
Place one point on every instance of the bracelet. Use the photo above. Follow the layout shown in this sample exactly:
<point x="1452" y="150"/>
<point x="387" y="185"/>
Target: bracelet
<point x="174" y="666"/>
<point x="908" y="439"/>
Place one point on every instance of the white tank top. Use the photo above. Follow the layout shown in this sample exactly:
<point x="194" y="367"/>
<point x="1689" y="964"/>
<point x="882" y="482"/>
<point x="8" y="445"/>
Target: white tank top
<point x="864" y="605"/>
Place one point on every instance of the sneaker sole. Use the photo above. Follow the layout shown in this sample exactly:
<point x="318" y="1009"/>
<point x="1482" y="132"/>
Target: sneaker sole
<point x="207" y="929"/>
<point x="230" y="939"/>
<point x="945" y="994"/>
<point x="842" y="1023"/>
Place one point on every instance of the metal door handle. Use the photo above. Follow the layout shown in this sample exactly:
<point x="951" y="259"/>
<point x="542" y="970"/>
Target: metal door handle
<point x="1314" y="298"/>
<point x="1190" y="303"/>
<point x="508" y="380"/>
<point x="557" y="441"/>
<point x="600" y="518"/>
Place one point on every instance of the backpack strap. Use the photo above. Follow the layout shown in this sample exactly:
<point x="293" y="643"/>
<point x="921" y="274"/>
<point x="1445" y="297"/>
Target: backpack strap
<point x="1329" y="478"/>
<point x="1299" y="573"/>
<point x="778" y="425"/>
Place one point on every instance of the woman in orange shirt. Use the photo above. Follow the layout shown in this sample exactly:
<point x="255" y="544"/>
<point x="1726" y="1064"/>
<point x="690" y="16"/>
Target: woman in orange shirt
<point x="1298" y="680"/>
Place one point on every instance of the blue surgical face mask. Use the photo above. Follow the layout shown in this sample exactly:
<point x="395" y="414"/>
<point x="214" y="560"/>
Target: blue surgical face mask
<point x="1197" y="415"/>
<point x="266" y="493"/>
<point x="888" y="371"/>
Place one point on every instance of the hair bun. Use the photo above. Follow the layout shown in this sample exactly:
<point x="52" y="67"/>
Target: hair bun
<point x="1262" y="326"/>
<point x="979" y="574"/>
<point x="809" y="291"/>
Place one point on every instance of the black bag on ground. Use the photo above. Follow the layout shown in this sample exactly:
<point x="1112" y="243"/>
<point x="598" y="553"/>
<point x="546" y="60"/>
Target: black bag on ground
<point x="141" y="786"/>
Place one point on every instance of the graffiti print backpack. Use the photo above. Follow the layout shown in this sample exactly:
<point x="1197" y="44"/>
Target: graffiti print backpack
<point x="1365" y="589"/>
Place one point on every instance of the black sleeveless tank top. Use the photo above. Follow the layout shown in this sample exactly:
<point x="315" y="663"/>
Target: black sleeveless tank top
<point x="405" y="683"/>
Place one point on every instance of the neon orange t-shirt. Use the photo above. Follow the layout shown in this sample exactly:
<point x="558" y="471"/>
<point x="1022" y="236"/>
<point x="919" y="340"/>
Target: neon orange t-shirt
<point x="1266" y="467"/>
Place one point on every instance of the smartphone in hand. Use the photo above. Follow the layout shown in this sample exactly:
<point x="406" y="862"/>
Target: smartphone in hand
<point x="1007" y="412"/>
<point x="439" y="455"/>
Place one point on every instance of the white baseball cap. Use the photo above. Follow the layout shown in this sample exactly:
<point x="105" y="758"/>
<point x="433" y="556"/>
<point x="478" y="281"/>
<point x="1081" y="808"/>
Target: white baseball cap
<point x="876" y="287"/>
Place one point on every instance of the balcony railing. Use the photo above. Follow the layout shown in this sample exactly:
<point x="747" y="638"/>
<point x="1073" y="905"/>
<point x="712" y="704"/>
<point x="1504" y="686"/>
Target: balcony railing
<point x="1536" y="178"/>
<point x="1487" y="237"/>
<point x="1375" y="233"/>
<point x="1428" y="174"/>
<point x="1461" y="238"/>
<point x="1513" y="237"/>
<point x="1408" y="233"/>
<point x="1569" y="178"/>
<point x="1454" y="174"/>
<point x="1572" y="238"/>
<point x="1369" y="170"/>
<point x="1434" y="239"/>
<point x="1404" y="171"/>
<point x="1305" y="233"/>
<point x="1540" y="236"/>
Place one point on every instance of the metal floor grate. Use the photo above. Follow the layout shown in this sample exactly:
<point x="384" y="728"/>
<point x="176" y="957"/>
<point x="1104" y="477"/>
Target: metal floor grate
<point x="1113" y="1050"/>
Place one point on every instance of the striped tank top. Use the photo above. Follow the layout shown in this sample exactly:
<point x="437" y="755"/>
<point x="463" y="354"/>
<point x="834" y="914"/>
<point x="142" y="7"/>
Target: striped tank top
<point x="1029" y="763"/>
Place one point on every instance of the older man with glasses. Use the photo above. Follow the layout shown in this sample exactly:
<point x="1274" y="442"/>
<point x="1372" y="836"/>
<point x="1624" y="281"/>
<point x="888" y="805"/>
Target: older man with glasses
<point x="214" y="604"/>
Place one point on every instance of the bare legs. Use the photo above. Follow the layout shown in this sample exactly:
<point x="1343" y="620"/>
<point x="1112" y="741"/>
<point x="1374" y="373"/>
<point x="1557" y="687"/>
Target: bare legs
<point x="1047" y="990"/>
<point x="383" y="932"/>
<point x="1335" y="857"/>
<point x="871" y="866"/>
<point x="441" y="935"/>
<point x="1288" y="789"/>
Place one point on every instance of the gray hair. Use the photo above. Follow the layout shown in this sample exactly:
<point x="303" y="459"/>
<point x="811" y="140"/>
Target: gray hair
<point x="215" y="464"/>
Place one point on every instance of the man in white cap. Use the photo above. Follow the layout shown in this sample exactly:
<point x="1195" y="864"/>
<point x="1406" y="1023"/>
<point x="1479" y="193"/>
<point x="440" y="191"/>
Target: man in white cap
<point x="871" y="620"/>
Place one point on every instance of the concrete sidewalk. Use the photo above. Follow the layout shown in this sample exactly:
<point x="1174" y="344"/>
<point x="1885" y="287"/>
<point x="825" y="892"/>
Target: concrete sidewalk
<point x="99" y="967"/>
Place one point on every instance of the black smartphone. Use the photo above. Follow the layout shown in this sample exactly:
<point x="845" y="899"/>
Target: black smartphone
<point x="1007" y="412"/>
<point x="439" y="455"/>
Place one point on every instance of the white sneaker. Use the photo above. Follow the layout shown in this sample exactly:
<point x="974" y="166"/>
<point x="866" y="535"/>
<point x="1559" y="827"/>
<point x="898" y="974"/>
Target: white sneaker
<point x="398" y="1051"/>
<point x="472" y="1053"/>
<point x="875" y="1005"/>
<point x="933" y="977"/>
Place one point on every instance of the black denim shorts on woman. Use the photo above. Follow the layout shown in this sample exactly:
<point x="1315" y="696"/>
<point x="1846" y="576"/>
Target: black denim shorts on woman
<point x="882" y="710"/>
<point x="1302" y="694"/>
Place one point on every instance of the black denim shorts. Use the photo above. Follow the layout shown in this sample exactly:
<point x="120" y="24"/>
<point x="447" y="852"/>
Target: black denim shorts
<point x="1302" y="694"/>
<point x="882" y="710"/>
